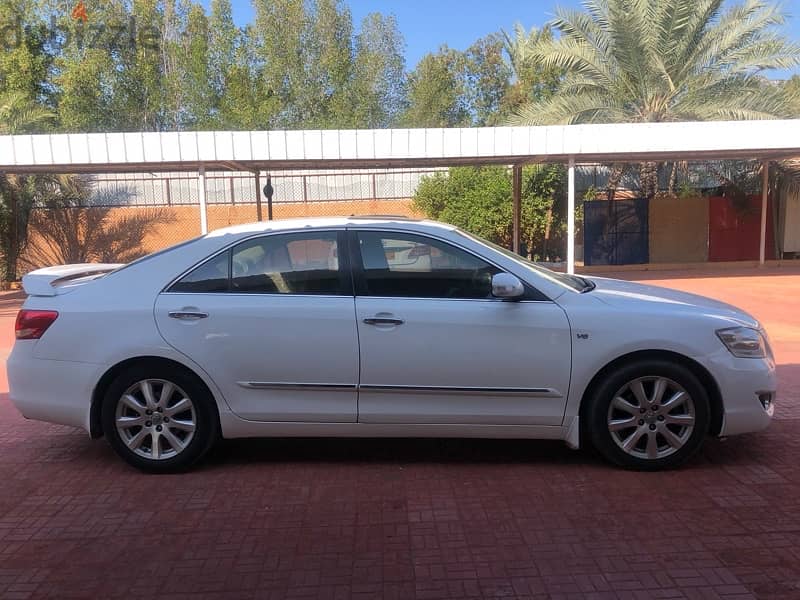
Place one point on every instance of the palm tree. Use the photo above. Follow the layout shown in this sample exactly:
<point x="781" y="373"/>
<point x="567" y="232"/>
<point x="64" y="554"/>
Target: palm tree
<point x="18" y="114"/>
<point x="517" y="46"/>
<point x="656" y="61"/>
<point x="531" y="81"/>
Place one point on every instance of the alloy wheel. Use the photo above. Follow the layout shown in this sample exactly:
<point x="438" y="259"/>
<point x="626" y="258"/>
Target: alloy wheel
<point x="651" y="417"/>
<point x="155" y="419"/>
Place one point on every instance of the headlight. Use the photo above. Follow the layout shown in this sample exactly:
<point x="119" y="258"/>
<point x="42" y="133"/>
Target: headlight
<point x="743" y="342"/>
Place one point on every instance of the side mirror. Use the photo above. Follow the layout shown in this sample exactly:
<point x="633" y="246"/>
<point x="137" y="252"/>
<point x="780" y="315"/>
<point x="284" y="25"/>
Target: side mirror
<point x="507" y="286"/>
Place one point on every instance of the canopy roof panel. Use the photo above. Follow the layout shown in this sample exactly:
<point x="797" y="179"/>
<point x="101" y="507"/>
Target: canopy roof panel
<point x="386" y="148"/>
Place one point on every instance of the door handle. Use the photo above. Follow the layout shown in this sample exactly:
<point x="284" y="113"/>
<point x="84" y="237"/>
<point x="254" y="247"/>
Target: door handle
<point x="383" y="321"/>
<point x="187" y="315"/>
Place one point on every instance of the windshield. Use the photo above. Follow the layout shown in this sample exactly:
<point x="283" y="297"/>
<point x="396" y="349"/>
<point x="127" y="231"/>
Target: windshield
<point x="573" y="282"/>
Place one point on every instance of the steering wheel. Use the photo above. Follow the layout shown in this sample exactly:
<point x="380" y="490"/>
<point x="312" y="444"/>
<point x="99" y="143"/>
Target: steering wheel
<point x="482" y="280"/>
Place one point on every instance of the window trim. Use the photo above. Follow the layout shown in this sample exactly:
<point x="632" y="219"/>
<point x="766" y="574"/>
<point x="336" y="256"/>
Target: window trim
<point x="346" y="282"/>
<point x="359" y="276"/>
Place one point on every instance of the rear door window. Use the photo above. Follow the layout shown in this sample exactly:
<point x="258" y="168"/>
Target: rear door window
<point x="210" y="277"/>
<point x="295" y="263"/>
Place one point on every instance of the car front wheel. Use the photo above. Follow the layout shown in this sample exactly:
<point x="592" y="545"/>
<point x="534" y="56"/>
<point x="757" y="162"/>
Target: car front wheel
<point x="159" y="419"/>
<point x="649" y="415"/>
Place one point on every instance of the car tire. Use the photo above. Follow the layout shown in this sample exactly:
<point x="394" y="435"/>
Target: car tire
<point x="649" y="415"/>
<point x="159" y="418"/>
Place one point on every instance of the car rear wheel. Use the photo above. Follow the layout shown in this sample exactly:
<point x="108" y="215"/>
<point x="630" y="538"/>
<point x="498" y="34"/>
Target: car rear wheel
<point x="649" y="415"/>
<point x="158" y="418"/>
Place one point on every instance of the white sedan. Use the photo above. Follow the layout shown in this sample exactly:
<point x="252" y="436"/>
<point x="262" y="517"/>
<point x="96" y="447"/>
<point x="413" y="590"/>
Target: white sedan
<point x="379" y="327"/>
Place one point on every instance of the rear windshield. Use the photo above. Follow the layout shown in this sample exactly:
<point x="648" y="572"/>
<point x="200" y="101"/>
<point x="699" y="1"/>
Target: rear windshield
<point x="156" y="253"/>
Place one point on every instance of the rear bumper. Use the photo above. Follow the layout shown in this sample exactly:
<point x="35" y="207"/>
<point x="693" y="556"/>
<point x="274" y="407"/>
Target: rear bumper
<point x="743" y="382"/>
<point x="55" y="391"/>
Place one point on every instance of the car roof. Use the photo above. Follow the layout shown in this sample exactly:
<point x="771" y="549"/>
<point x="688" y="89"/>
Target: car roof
<point x="327" y="222"/>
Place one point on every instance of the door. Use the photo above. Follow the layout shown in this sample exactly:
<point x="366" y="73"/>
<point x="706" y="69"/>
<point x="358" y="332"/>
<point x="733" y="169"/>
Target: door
<point x="271" y="321"/>
<point x="437" y="348"/>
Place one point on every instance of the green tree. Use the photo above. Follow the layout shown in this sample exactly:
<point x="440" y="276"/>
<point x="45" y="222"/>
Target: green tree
<point x="198" y="94"/>
<point x="279" y="38"/>
<point x="85" y="73"/>
<point x="20" y="114"/>
<point x="173" y="58"/>
<point x="436" y="91"/>
<point x="531" y="80"/>
<point x="452" y="88"/>
<point x="792" y="89"/>
<point x="83" y="99"/>
<point x="247" y="101"/>
<point x="652" y="61"/>
<point x="378" y="80"/>
<point x="486" y="79"/>
<point x="24" y="60"/>
<point x="222" y="42"/>
<point x="139" y="99"/>
<point x="478" y="199"/>
<point x="328" y="57"/>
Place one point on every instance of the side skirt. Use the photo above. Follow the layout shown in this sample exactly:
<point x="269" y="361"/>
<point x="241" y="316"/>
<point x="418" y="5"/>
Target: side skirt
<point x="234" y="427"/>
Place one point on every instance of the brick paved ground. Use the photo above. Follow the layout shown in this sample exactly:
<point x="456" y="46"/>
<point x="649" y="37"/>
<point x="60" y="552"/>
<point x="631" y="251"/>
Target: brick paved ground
<point x="405" y="518"/>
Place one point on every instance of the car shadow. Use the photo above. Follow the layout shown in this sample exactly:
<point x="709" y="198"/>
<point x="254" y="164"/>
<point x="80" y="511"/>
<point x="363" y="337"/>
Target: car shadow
<point x="756" y="449"/>
<point x="394" y="451"/>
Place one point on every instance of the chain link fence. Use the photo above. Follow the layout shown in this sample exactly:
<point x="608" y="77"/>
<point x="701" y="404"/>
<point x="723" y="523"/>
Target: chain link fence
<point x="298" y="188"/>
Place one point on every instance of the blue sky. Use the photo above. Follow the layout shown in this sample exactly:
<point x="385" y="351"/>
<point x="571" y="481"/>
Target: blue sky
<point x="426" y="24"/>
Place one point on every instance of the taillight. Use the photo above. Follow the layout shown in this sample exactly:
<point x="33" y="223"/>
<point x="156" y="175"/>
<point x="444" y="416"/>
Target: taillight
<point x="31" y="324"/>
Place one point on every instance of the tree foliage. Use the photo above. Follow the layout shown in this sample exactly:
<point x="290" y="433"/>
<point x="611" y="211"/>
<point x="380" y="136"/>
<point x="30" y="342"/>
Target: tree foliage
<point x="24" y="60"/>
<point x="435" y="92"/>
<point x="157" y="65"/>
<point x="652" y="61"/>
<point x="792" y="89"/>
<point x="478" y="199"/>
<point x="532" y="81"/>
<point x="451" y="88"/>
<point x="378" y="87"/>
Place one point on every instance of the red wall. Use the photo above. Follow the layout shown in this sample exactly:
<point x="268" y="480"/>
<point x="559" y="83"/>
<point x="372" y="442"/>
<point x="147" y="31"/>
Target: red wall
<point x="734" y="234"/>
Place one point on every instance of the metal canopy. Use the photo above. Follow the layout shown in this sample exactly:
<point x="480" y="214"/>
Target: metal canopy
<point x="386" y="148"/>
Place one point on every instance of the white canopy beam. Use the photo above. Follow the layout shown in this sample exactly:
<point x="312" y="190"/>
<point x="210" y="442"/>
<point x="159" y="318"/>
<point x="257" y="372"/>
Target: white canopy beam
<point x="762" y="248"/>
<point x="201" y="194"/>
<point x="259" y="216"/>
<point x="571" y="216"/>
<point x="516" y="203"/>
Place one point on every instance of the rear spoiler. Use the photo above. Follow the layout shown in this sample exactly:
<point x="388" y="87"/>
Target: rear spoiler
<point x="52" y="281"/>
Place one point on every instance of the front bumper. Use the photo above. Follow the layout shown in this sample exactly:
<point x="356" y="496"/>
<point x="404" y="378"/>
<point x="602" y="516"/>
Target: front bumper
<point x="744" y="383"/>
<point x="55" y="391"/>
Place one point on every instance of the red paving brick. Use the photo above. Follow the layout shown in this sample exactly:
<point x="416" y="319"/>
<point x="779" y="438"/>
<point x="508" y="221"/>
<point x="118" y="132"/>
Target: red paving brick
<point x="414" y="518"/>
